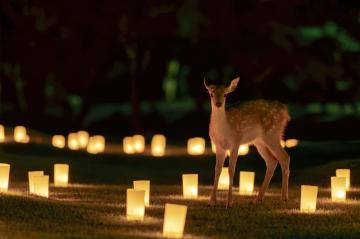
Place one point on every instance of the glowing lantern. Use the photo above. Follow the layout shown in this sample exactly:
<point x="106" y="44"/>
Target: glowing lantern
<point x="73" y="142"/>
<point x="158" y="145"/>
<point x="196" y="146"/>
<point x="344" y="173"/>
<point x="128" y="145"/>
<point x="190" y="185"/>
<point x="20" y="135"/>
<point x="98" y="143"/>
<point x="61" y="175"/>
<point x="41" y="185"/>
<point x="135" y="204"/>
<point x="2" y="133"/>
<point x="145" y="186"/>
<point x="4" y="176"/>
<point x="243" y="149"/>
<point x="213" y="147"/>
<point x="246" y="183"/>
<point x="338" y="189"/>
<point x="91" y="147"/>
<point x="224" y="179"/>
<point x="83" y="139"/>
<point x="58" y="141"/>
<point x="31" y="175"/>
<point x="308" y="198"/>
<point x="282" y="143"/>
<point x="290" y="143"/>
<point x="174" y="220"/>
<point x="138" y="143"/>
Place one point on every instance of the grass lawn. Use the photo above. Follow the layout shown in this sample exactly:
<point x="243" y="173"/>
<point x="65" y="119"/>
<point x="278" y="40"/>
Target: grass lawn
<point x="93" y="206"/>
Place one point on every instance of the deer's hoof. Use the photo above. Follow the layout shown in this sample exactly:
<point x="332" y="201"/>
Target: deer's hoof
<point x="258" y="201"/>
<point x="212" y="202"/>
<point x="229" y="205"/>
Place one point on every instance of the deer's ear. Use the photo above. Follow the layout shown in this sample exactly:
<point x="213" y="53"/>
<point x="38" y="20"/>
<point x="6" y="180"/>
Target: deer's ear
<point x="206" y="83"/>
<point x="233" y="84"/>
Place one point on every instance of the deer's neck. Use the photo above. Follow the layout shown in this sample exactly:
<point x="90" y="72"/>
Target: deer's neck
<point x="219" y="128"/>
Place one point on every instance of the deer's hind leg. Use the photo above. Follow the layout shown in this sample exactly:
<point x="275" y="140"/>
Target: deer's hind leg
<point x="273" y="144"/>
<point x="271" y="164"/>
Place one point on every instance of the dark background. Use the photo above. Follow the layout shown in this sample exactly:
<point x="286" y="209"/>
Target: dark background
<point x="137" y="66"/>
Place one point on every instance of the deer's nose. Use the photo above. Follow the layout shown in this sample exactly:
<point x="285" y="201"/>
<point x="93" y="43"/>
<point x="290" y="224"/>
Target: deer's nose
<point x="218" y="104"/>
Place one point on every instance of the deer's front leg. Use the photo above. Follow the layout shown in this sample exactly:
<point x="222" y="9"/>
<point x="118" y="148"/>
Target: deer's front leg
<point x="232" y="166"/>
<point x="220" y="158"/>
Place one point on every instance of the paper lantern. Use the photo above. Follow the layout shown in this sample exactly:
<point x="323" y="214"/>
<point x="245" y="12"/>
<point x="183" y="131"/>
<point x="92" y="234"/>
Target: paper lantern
<point x="58" y="141"/>
<point x="138" y="143"/>
<point x="243" y="149"/>
<point x="174" y="220"/>
<point x="2" y="133"/>
<point x="4" y="176"/>
<point x="73" y="142"/>
<point x="308" y="198"/>
<point x="224" y="179"/>
<point x="246" y="185"/>
<point x="145" y="186"/>
<point x="20" y="135"/>
<point x="290" y="143"/>
<point x="61" y="175"/>
<point x="41" y="185"/>
<point x="128" y="146"/>
<point x="31" y="175"/>
<point x="196" y="146"/>
<point x="158" y="145"/>
<point x="344" y="173"/>
<point x="83" y="139"/>
<point x="282" y="143"/>
<point x="190" y="185"/>
<point x="91" y="147"/>
<point x="98" y="142"/>
<point x="338" y="189"/>
<point x="135" y="204"/>
<point x="213" y="147"/>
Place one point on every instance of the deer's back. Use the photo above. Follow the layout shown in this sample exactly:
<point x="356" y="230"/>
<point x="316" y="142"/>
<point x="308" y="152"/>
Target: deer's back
<point x="266" y="114"/>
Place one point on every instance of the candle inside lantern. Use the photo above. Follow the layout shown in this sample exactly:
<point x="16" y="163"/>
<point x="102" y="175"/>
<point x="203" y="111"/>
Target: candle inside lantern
<point x="344" y="173"/>
<point x="308" y="198"/>
<point x="20" y="135"/>
<point x="73" y="142"/>
<point x="4" y="176"/>
<point x="2" y="133"/>
<point x="246" y="183"/>
<point x="158" y="145"/>
<point x="128" y="145"/>
<point x="224" y="179"/>
<point x="138" y="143"/>
<point x="83" y="138"/>
<point x="31" y="175"/>
<point x="196" y="146"/>
<point x="61" y="175"/>
<point x="41" y="185"/>
<point x="190" y="185"/>
<point x="174" y="220"/>
<point x="290" y="143"/>
<point x="338" y="189"/>
<point x="58" y="141"/>
<point x="145" y="186"/>
<point x="135" y="204"/>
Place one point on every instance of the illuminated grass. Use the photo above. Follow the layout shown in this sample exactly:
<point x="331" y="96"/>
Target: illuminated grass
<point x="94" y="206"/>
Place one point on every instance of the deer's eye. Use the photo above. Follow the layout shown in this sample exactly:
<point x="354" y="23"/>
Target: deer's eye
<point x="225" y="94"/>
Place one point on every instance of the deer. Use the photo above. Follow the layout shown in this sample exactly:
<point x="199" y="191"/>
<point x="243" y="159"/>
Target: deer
<point x="258" y="122"/>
